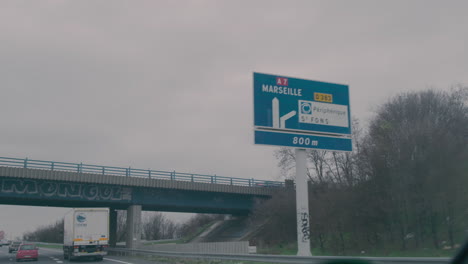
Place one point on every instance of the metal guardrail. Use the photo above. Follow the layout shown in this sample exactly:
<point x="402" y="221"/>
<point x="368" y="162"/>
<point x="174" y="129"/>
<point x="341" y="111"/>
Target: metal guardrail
<point x="131" y="172"/>
<point x="280" y="258"/>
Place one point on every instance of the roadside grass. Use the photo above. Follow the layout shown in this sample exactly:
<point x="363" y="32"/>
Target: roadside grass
<point x="424" y="252"/>
<point x="280" y="249"/>
<point x="291" y="249"/>
<point x="173" y="260"/>
<point x="49" y="246"/>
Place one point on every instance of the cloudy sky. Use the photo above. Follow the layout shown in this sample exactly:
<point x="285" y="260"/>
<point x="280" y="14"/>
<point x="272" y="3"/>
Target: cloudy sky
<point x="168" y="84"/>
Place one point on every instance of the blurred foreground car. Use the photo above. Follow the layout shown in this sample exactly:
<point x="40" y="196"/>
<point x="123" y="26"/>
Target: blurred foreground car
<point x="14" y="246"/>
<point x="27" y="251"/>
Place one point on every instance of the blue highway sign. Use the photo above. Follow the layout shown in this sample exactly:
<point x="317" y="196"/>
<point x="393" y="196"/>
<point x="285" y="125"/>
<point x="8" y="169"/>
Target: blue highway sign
<point x="287" y="108"/>
<point x="302" y="141"/>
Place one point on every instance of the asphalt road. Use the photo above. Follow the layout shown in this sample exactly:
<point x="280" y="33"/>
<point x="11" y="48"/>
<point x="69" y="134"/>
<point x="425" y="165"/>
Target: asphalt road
<point x="55" y="256"/>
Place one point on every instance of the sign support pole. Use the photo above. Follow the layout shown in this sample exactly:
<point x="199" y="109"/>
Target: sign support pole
<point x="302" y="205"/>
<point x="301" y="114"/>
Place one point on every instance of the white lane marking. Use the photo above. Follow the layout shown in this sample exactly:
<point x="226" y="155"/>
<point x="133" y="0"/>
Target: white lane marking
<point x="53" y="257"/>
<point x="119" y="261"/>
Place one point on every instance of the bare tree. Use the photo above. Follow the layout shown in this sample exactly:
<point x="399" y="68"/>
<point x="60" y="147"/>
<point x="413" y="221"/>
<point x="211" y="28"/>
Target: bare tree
<point x="418" y="143"/>
<point x="157" y="226"/>
<point x="121" y="225"/>
<point x="52" y="233"/>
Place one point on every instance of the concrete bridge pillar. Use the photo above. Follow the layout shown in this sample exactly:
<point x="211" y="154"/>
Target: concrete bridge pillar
<point x="133" y="226"/>
<point x="112" y="227"/>
<point x="228" y="217"/>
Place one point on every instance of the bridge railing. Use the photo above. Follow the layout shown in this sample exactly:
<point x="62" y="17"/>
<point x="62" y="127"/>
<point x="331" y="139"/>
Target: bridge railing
<point x="131" y="172"/>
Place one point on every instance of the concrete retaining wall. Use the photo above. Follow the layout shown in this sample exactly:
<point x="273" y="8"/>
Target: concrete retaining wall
<point x="238" y="247"/>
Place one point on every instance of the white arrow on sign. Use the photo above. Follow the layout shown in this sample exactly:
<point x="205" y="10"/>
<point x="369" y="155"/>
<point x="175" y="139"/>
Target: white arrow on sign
<point x="275" y="110"/>
<point x="279" y="122"/>
<point x="286" y="117"/>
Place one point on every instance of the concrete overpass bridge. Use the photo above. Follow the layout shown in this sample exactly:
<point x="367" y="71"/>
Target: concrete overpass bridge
<point x="62" y="184"/>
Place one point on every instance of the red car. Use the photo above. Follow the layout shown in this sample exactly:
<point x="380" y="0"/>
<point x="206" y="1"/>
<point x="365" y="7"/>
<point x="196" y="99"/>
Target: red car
<point x="27" y="251"/>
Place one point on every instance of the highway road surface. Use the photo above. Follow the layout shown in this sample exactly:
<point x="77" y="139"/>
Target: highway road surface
<point x="55" y="256"/>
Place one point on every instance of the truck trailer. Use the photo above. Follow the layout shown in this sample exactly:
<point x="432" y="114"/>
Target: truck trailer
<point x="86" y="233"/>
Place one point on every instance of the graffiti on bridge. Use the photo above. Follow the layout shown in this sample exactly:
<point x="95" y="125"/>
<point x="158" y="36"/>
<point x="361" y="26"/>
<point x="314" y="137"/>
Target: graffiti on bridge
<point x="64" y="190"/>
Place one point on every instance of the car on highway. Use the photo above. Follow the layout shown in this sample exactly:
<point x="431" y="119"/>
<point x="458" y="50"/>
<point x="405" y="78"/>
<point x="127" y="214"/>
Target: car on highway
<point x="14" y="246"/>
<point x="27" y="251"/>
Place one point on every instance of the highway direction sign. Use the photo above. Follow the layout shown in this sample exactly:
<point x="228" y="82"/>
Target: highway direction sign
<point x="301" y="113"/>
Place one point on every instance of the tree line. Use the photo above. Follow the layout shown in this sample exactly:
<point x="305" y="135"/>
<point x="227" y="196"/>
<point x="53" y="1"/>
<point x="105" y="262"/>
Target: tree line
<point x="52" y="233"/>
<point x="403" y="186"/>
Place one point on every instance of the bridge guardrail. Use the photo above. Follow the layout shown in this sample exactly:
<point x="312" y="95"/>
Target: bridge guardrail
<point x="131" y="172"/>
<point x="281" y="258"/>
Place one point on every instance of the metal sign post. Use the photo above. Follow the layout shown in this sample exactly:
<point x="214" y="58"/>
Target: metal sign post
<point x="301" y="114"/>
<point x="302" y="205"/>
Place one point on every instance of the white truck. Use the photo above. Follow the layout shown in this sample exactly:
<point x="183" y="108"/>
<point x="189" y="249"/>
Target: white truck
<point x="86" y="233"/>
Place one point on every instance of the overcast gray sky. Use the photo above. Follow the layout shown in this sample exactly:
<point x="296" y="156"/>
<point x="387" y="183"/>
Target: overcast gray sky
<point x="168" y="84"/>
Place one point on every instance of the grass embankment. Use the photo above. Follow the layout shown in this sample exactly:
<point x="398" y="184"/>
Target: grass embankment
<point x="199" y="231"/>
<point x="291" y="249"/>
<point x="185" y="239"/>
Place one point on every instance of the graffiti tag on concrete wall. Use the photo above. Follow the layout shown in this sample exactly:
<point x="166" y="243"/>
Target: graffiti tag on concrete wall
<point x="65" y="190"/>
<point x="305" y="228"/>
